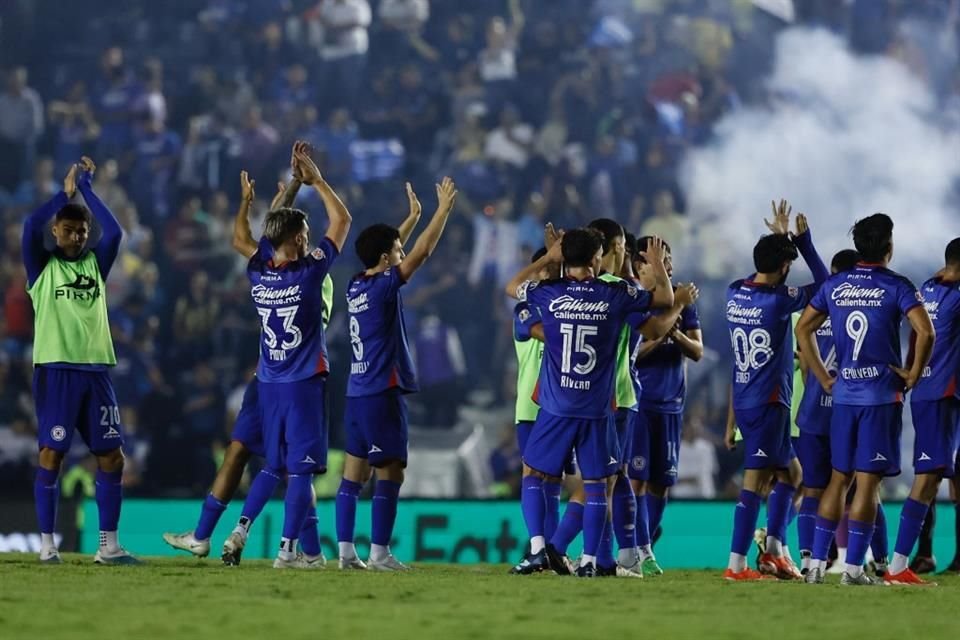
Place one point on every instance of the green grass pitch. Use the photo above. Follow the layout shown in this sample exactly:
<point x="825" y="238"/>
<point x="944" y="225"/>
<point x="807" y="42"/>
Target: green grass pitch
<point x="189" y="599"/>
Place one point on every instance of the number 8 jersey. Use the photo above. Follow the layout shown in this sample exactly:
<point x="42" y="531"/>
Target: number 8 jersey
<point x="582" y="322"/>
<point x="289" y="299"/>
<point x="866" y="306"/>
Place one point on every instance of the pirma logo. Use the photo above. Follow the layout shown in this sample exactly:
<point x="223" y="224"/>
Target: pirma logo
<point x="83" y="288"/>
<point x="58" y="433"/>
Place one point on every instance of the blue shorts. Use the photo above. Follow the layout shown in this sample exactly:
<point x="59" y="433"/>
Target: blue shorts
<point x="766" y="436"/>
<point x="814" y="453"/>
<point x="294" y="425"/>
<point x="936" y="441"/>
<point x="655" y="447"/>
<point x="376" y="428"/>
<point x="623" y="422"/>
<point x="553" y="438"/>
<point x="248" y="430"/>
<point x="524" y="428"/>
<point x="69" y="400"/>
<point x="866" y="438"/>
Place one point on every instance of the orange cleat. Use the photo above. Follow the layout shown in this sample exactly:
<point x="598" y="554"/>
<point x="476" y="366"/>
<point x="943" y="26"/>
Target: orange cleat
<point x="747" y="575"/>
<point x="778" y="567"/>
<point x="907" y="578"/>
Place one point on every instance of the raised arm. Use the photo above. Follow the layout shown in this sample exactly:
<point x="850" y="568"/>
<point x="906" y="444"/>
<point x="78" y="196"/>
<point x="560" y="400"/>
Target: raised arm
<point x="659" y="325"/>
<point x="413" y="218"/>
<point x="922" y="338"/>
<point x="690" y="342"/>
<point x="427" y="242"/>
<point x="35" y="256"/>
<point x="809" y="322"/>
<point x="243" y="241"/>
<point x="340" y="219"/>
<point x="804" y="241"/>
<point x="663" y="291"/>
<point x="109" y="245"/>
<point x="552" y="257"/>
<point x="287" y="193"/>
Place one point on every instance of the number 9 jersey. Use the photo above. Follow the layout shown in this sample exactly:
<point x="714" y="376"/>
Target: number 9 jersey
<point x="582" y="323"/>
<point x="289" y="300"/>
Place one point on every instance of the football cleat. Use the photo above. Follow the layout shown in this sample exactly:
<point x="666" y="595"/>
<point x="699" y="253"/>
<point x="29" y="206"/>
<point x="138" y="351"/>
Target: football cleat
<point x="586" y="571"/>
<point x="778" y="567"/>
<point x="534" y="563"/>
<point x="233" y="549"/>
<point x="747" y="575"/>
<point x="296" y="562"/>
<point x="651" y="568"/>
<point x="861" y="580"/>
<point x="352" y="563"/>
<point x="923" y="564"/>
<point x="50" y="556"/>
<point x="189" y="543"/>
<point x="390" y="563"/>
<point x="814" y="576"/>
<point x="315" y="562"/>
<point x="633" y="571"/>
<point x="118" y="556"/>
<point x="881" y="568"/>
<point x="559" y="562"/>
<point x="760" y="539"/>
<point x="907" y="578"/>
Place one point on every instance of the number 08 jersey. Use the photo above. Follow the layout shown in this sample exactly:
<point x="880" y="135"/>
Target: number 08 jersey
<point x="582" y="323"/>
<point x="866" y="306"/>
<point x="758" y="316"/>
<point x="289" y="299"/>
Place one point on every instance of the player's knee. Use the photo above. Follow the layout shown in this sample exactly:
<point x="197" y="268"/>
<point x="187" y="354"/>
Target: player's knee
<point x="925" y="487"/>
<point x="111" y="462"/>
<point x="236" y="455"/>
<point x="392" y="471"/>
<point x="657" y="490"/>
<point x="50" y="459"/>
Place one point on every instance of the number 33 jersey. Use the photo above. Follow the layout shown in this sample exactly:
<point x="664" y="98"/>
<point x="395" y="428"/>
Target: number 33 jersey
<point x="380" y="357"/>
<point x="582" y="323"/>
<point x="866" y="306"/>
<point x="758" y="316"/>
<point x="289" y="299"/>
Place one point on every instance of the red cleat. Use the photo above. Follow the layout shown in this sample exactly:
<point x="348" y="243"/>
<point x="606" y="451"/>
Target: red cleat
<point x="747" y="575"/>
<point x="778" y="567"/>
<point x="907" y="578"/>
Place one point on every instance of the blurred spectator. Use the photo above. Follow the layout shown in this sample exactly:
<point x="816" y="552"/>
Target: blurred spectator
<point x="76" y="128"/>
<point x="33" y="192"/>
<point x="116" y="94"/>
<point x="696" y="474"/>
<point x="195" y="315"/>
<point x="256" y="143"/>
<point x="441" y="367"/>
<point x="667" y="223"/>
<point x="156" y="151"/>
<point x="21" y="125"/>
<point x="344" y="51"/>
<point x="511" y="141"/>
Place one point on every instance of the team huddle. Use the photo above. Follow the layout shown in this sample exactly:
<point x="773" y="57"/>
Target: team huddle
<point x="602" y="337"/>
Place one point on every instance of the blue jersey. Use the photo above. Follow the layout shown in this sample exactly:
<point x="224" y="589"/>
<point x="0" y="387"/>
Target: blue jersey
<point x="378" y="337"/>
<point x="814" y="413"/>
<point x="662" y="373"/>
<point x="582" y="323"/>
<point x="866" y="306"/>
<point x="289" y="299"/>
<point x="939" y="378"/>
<point x="758" y="317"/>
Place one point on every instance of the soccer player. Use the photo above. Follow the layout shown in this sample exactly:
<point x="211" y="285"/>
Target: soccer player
<point x="582" y="321"/>
<point x="660" y="370"/>
<point x="381" y="373"/>
<point x="865" y="307"/>
<point x="936" y="413"/>
<point x="813" y="418"/>
<point x="72" y="355"/>
<point x="286" y="286"/>
<point x="759" y="312"/>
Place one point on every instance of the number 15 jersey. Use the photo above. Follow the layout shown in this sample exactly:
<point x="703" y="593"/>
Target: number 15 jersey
<point x="582" y="323"/>
<point x="289" y="299"/>
<point x="866" y="306"/>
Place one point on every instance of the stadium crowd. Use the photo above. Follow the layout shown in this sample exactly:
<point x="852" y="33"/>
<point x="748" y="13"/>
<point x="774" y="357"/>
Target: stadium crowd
<point x="541" y="110"/>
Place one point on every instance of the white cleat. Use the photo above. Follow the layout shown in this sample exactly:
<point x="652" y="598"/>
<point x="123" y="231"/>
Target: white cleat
<point x="233" y="549"/>
<point x="353" y="563"/>
<point x="633" y="571"/>
<point x="50" y="556"/>
<point x="296" y="562"/>
<point x="189" y="543"/>
<point x="390" y="563"/>
<point x="118" y="556"/>
<point x="314" y="562"/>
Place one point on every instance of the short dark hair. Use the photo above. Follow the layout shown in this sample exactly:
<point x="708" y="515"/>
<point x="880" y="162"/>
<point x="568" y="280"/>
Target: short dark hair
<point x="630" y="242"/>
<point x="873" y="236"/>
<point x="771" y="251"/>
<point x="609" y="229"/>
<point x="580" y="246"/>
<point x="952" y="254"/>
<point x="642" y="243"/>
<point x="845" y="260"/>
<point x="373" y="242"/>
<point x="75" y="212"/>
<point x="539" y="253"/>
<point x="283" y="224"/>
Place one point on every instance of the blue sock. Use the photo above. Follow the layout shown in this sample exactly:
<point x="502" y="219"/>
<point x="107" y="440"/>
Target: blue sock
<point x="807" y="523"/>
<point x="109" y="494"/>
<point x="655" y="508"/>
<point x="859" y="541"/>
<point x="823" y="532"/>
<point x="778" y="504"/>
<point x="261" y="490"/>
<point x="594" y="516"/>
<point x="744" y="522"/>
<point x="209" y="516"/>
<point x="533" y="505"/>
<point x="911" y="521"/>
<point x="309" y="536"/>
<point x="347" y="497"/>
<point x="570" y="526"/>
<point x="386" y="495"/>
<point x="605" y="557"/>
<point x="625" y="507"/>
<point x="791" y="516"/>
<point x="551" y="519"/>
<point x="46" y="496"/>
<point x="641" y="524"/>
<point x="880" y="543"/>
<point x="296" y="502"/>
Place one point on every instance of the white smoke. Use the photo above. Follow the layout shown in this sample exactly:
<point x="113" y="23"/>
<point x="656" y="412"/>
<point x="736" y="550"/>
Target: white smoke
<point x="847" y="136"/>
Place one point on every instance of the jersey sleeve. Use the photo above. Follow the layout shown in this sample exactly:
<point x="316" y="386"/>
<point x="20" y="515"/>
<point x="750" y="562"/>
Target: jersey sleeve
<point x="524" y="319"/>
<point x="394" y="280"/>
<point x="793" y="299"/>
<point x="322" y="257"/>
<point x="819" y="299"/>
<point x="637" y="300"/>
<point x="527" y="289"/>
<point x="689" y="318"/>
<point x="638" y="319"/>
<point x="907" y="296"/>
